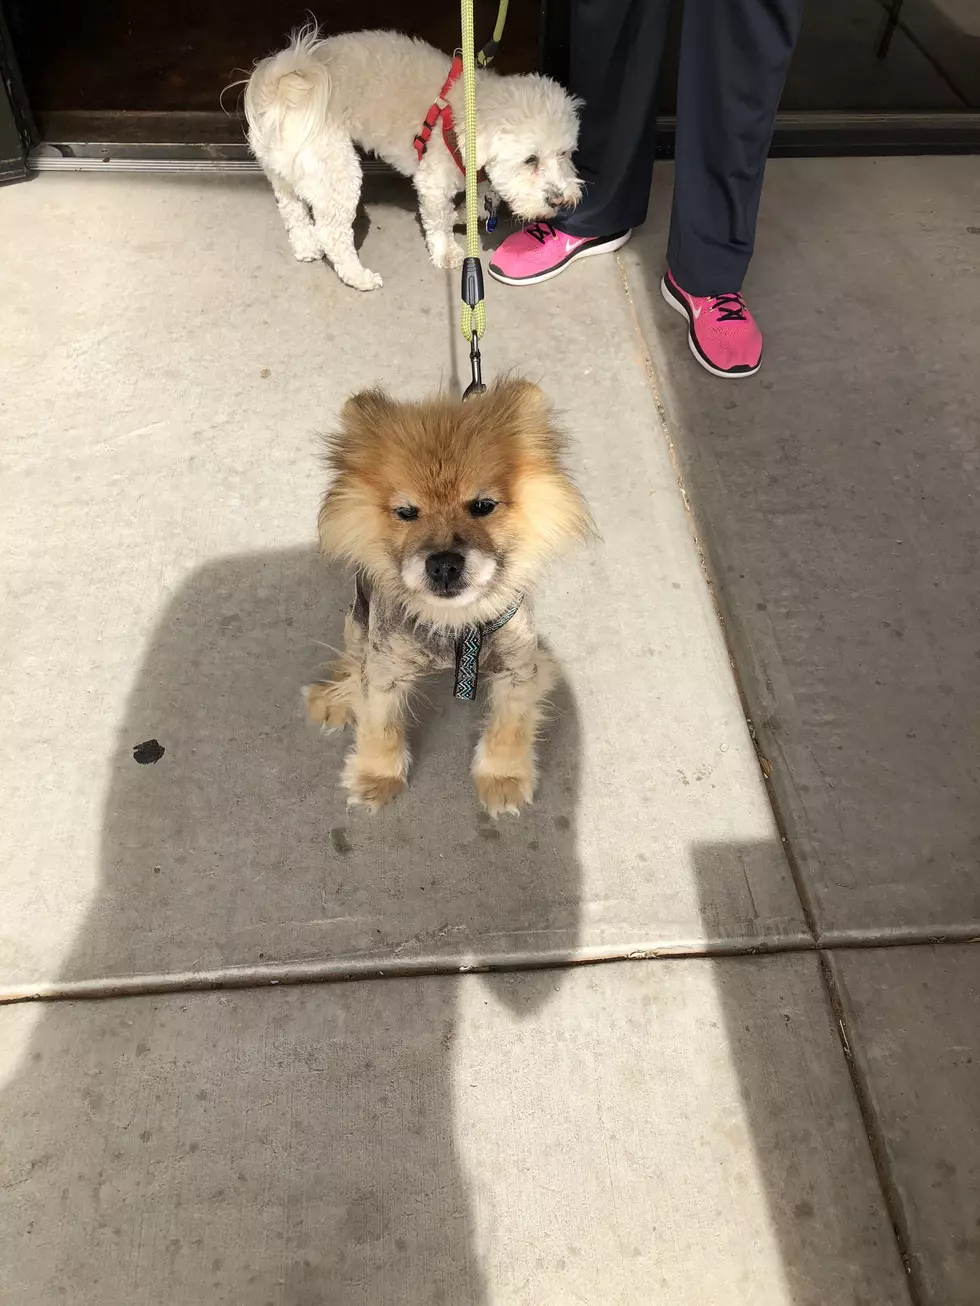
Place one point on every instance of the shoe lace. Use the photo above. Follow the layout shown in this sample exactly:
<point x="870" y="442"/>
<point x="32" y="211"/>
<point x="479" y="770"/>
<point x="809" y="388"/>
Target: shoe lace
<point x="540" y="231"/>
<point x="730" y="308"/>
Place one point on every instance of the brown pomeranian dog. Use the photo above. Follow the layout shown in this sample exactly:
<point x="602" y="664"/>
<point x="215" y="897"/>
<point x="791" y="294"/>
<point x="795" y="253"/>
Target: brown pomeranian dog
<point x="448" y="511"/>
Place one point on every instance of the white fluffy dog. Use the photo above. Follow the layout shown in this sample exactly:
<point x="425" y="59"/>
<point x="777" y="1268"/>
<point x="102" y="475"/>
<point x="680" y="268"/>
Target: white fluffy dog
<point x="308" y="106"/>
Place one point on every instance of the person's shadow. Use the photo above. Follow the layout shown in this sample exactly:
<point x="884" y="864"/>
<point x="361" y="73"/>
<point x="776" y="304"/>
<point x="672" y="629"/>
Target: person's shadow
<point x="292" y="1144"/>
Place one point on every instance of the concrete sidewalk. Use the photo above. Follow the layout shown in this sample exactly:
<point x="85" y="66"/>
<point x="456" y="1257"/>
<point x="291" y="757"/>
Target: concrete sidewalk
<point x="837" y="501"/>
<point x="644" y="1131"/>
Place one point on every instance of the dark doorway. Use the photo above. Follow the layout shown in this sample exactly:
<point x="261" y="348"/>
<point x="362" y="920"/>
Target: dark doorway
<point x="869" y="76"/>
<point x="124" y="70"/>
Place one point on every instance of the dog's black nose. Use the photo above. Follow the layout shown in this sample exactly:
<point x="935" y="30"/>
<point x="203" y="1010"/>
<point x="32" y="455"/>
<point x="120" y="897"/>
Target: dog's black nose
<point x="445" y="571"/>
<point x="555" y="199"/>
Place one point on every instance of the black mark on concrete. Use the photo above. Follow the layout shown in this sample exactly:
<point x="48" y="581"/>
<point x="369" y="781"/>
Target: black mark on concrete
<point x="341" y="842"/>
<point x="150" y="751"/>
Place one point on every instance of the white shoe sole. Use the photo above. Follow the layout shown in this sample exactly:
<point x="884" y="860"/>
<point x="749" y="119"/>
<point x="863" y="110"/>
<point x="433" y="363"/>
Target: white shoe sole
<point x="608" y="247"/>
<point x="679" y="307"/>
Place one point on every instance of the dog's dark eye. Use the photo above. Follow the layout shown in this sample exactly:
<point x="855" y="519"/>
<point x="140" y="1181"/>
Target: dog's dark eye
<point x="532" y="160"/>
<point x="408" y="512"/>
<point x="481" y="507"/>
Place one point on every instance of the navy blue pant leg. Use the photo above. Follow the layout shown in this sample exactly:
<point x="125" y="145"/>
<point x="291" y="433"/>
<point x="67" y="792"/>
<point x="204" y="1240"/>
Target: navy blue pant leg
<point x="733" y="62"/>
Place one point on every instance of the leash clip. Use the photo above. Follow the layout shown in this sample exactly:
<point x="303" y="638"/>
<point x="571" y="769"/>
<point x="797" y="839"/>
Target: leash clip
<point x="476" y="386"/>
<point x="472" y="294"/>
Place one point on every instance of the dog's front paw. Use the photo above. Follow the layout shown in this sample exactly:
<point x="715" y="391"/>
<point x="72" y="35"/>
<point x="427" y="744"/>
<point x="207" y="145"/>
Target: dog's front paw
<point x="502" y="794"/>
<point x="372" y="781"/>
<point x="371" y="791"/>
<point x="447" y="254"/>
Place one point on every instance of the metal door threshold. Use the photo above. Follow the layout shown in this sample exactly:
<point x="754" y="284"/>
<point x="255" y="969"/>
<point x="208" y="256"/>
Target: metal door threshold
<point x="221" y="147"/>
<point x="158" y="157"/>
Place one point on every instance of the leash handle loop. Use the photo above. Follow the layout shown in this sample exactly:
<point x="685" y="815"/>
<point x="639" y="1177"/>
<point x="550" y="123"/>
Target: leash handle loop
<point x="487" y="55"/>
<point x="474" y="314"/>
<point x="472" y="282"/>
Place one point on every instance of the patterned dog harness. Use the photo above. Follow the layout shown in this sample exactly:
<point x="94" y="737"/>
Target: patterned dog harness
<point x="442" y="111"/>
<point x="468" y="646"/>
<point x="468" y="643"/>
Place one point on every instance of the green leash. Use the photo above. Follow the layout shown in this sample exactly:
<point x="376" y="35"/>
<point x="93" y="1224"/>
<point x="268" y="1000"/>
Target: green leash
<point x="474" y="314"/>
<point x="486" y="56"/>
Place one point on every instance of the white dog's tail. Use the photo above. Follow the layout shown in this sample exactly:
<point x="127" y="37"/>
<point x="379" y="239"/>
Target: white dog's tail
<point x="289" y="91"/>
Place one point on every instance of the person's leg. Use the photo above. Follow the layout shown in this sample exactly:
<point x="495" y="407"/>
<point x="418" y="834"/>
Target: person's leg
<point x="615" y="49"/>
<point x="614" y="59"/>
<point x="734" y="58"/>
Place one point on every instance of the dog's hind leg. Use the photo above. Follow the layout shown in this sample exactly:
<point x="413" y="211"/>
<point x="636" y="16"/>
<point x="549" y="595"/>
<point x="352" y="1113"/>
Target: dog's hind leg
<point x="330" y="183"/>
<point x="296" y="219"/>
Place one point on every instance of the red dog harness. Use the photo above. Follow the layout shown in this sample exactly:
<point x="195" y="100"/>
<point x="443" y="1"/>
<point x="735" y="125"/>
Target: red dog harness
<point x="442" y="110"/>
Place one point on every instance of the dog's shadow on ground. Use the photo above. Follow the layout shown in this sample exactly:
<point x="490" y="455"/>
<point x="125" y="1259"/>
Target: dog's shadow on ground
<point x="302" y="1138"/>
<point x="383" y="188"/>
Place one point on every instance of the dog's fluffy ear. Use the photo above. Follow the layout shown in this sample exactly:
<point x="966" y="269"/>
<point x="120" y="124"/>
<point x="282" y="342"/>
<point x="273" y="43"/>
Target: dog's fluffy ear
<point x="524" y="408"/>
<point x="352" y="443"/>
<point x="347" y="514"/>
<point x="368" y="406"/>
<point x="529" y="398"/>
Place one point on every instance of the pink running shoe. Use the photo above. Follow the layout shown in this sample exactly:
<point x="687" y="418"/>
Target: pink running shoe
<point x="722" y="333"/>
<point x="542" y="251"/>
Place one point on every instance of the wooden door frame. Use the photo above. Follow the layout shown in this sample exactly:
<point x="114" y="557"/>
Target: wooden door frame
<point x="18" y="135"/>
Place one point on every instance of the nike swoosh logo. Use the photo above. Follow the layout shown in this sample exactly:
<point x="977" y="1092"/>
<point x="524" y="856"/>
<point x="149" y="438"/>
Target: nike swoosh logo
<point x="569" y="246"/>
<point x="696" y="312"/>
